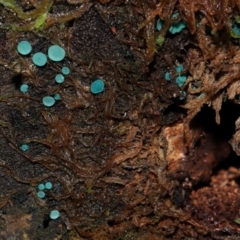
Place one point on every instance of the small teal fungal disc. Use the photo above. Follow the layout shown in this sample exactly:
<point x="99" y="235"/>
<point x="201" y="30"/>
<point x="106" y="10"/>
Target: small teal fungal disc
<point x="183" y="95"/>
<point x="175" y="15"/>
<point x="201" y="95"/>
<point x="236" y="29"/>
<point x="59" y="78"/>
<point x="56" y="97"/>
<point x="167" y="76"/>
<point x="48" y="185"/>
<point x="41" y="194"/>
<point x="24" y="47"/>
<point x="97" y="86"/>
<point x="48" y="101"/>
<point x="65" y="70"/>
<point x="179" y="68"/>
<point x="180" y="80"/>
<point x="54" y="214"/>
<point x="24" y="88"/>
<point x="159" y="24"/>
<point x="24" y="147"/>
<point x="56" y="53"/>
<point x="41" y="187"/>
<point x="177" y="27"/>
<point x="39" y="59"/>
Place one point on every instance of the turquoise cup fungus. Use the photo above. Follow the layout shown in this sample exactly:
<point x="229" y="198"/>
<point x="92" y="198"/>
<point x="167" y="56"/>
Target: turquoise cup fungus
<point x="41" y="194"/>
<point x="48" y="185"/>
<point x="175" y="15"/>
<point x="97" y="86"/>
<point x="181" y="79"/>
<point x="167" y="76"/>
<point x="54" y="214"/>
<point x="235" y="31"/>
<point x="39" y="59"/>
<point x="48" y="101"/>
<point x="24" y="47"/>
<point x="41" y="187"/>
<point x="24" y="88"/>
<point x="177" y="27"/>
<point x="59" y="78"/>
<point x="24" y="147"/>
<point x="56" y="53"/>
<point x="159" y="25"/>
<point x="202" y="95"/>
<point x="179" y="68"/>
<point x="65" y="70"/>
<point x="183" y="95"/>
<point x="57" y="97"/>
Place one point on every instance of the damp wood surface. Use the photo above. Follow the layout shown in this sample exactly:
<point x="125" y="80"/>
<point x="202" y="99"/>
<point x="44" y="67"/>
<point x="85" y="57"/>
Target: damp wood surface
<point x="147" y="157"/>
